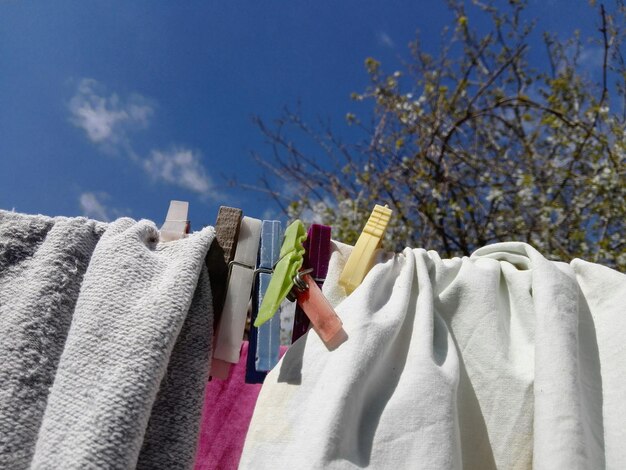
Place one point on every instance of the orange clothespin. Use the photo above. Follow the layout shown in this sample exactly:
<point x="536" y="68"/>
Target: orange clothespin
<point x="362" y="257"/>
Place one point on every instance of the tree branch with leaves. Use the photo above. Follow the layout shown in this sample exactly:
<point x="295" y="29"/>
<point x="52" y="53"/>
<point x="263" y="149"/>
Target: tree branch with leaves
<point x="475" y="147"/>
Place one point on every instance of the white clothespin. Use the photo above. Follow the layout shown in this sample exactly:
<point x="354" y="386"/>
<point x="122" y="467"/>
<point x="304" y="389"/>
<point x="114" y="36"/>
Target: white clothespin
<point x="229" y="333"/>
<point x="176" y="223"/>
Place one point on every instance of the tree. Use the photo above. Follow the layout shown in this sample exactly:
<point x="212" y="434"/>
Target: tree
<point x="474" y="145"/>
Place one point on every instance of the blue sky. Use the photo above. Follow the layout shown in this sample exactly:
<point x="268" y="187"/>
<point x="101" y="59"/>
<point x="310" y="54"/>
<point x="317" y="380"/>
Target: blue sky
<point x="114" y="108"/>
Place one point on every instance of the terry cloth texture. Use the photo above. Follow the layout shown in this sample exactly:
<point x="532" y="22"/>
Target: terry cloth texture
<point x="108" y="337"/>
<point x="499" y="360"/>
<point x="42" y="263"/>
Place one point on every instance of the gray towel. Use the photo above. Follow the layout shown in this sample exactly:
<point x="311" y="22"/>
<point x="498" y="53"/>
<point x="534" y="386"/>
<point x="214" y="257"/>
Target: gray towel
<point x="104" y="343"/>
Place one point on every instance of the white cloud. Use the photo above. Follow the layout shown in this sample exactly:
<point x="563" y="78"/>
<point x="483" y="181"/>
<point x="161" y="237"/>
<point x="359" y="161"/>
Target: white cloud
<point x="93" y="206"/>
<point x="104" y="119"/>
<point x="181" y="167"/>
<point x="385" y="40"/>
<point x="107" y="120"/>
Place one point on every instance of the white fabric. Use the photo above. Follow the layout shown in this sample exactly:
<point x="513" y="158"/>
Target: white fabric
<point x="499" y="360"/>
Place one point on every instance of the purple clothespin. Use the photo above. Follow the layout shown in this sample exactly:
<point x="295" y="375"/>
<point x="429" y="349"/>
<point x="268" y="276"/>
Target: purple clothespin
<point x="316" y="257"/>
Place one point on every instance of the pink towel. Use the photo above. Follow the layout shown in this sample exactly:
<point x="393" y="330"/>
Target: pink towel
<point x="228" y="408"/>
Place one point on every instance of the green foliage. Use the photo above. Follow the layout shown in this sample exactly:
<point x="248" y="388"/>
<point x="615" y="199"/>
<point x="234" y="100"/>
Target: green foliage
<point x="476" y="147"/>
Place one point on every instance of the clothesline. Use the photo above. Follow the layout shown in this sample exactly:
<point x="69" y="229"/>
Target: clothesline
<point x="503" y="359"/>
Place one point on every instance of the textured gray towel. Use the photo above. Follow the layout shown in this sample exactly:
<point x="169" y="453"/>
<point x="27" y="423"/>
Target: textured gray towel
<point x="42" y="263"/>
<point x="104" y="343"/>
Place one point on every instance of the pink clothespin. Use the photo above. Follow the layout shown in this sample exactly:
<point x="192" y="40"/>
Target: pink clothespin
<point x="324" y="320"/>
<point x="316" y="257"/>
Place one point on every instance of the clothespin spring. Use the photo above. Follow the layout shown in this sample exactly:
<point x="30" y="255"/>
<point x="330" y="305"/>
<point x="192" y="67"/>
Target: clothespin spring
<point x="299" y="284"/>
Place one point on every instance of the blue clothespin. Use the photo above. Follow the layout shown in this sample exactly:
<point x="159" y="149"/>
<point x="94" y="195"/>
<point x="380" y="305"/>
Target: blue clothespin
<point x="264" y="347"/>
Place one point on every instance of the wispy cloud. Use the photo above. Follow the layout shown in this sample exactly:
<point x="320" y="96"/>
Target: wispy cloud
<point x="93" y="206"/>
<point x="385" y="40"/>
<point x="181" y="167"/>
<point x="107" y="119"/>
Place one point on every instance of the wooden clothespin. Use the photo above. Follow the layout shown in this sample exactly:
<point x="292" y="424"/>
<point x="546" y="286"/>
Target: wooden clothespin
<point x="221" y="253"/>
<point x="176" y="224"/>
<point x="229" y="332"/>
<point x="362" y="257"/>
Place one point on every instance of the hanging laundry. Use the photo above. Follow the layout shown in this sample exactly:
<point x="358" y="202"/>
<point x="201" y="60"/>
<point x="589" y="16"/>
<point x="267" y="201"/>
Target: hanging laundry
<point x="499" y="360"/>
<point x="503" y="359"/>
<point x="228" y="407"/>
<point x="105" y="340"/>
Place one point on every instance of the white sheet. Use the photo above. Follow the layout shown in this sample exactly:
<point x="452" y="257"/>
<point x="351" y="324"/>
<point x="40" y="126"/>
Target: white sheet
<point x="500" y="360"/>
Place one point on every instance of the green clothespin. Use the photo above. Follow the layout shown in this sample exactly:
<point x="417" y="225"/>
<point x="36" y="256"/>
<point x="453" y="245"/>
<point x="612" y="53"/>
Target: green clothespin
<point x="289" y="263"/>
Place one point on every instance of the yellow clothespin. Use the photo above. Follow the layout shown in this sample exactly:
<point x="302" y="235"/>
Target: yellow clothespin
<point x="176" y="224"/>
<point x="360" y="261"/>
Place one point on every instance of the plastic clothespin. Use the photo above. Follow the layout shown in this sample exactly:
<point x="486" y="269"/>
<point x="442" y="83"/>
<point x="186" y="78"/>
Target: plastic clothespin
<point x="229" y="332"/>
<point x="264" y="342"/>
<point x="287" y="278"/>
<point x="285" y="270"/>
<point x="221" y="253"/>
<point x="316" y="257"/>
<point x="324" y="320"/>
<point x="176" y="224"/>
<point x="360" y="260"/>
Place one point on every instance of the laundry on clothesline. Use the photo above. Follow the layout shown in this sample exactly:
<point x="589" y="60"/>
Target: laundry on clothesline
<point x="110" y="333"/>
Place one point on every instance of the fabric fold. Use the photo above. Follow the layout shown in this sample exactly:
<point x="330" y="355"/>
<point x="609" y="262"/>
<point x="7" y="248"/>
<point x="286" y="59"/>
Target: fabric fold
<point x="498" y="360"/>
<point x="126" y="388"/>
<point x="42" y="264"/>
<point x="321" y="409"/>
